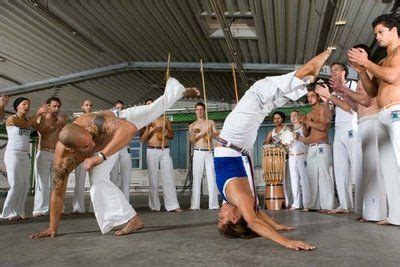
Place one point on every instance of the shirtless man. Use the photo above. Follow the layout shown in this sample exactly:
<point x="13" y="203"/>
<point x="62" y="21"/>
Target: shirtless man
<point x="385" y="85"/>
<point x="78" y="199"/>
<point x="158" y="154"/>
<point x="94" y="139"/>
<point x="48" y="126"/>
<point x="201" y="133"/>
<point x="318" y="155"/>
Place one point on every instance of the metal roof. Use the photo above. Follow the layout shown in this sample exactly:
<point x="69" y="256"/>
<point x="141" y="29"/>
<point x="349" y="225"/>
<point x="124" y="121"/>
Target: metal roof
<point x="42" y="39"/>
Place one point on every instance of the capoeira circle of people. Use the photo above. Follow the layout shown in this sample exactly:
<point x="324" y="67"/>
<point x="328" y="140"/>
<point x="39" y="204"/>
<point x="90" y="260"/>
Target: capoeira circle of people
<point x="93" y="141"/>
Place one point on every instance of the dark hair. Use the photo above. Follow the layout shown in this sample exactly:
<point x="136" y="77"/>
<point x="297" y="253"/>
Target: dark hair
<point x="388" y="20"/>
<point x="344" y="67"/>
<point x="119" y="102"/>
<point x="149" y="99"/>
<point x="201" y="104"/>
<point x="237" y="230"/>
<point x="18" y="101"/>
<point x="85" y="101"/>
<point x="365" y="48"/>
<point x="281" y="114"/>
<point x="53" y="98"/>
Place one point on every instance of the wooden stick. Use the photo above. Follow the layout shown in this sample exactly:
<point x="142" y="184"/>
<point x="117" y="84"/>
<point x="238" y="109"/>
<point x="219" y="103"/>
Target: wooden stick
<point x="165" y="114"/>
<point x="235" y="83"/>
<point x="205" y="101"/>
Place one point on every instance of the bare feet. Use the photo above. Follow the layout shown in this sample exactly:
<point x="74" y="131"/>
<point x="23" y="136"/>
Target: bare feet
<point x="384" y="222"/>
<point x="36" y="215"/>
<point x="363" y="220"/>
<point x="305" y="209"/>
<point x="338" y="210"/>
<point x="133" y="225"/>
<point x="176" y="210"/>
<point x="75" y="212"/>
<point x="312" y="67"/>
<point x="191" y="92"/>
<point x="324" y="211"/>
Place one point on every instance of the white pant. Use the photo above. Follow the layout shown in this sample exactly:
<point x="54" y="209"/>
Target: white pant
<point x="78" y="199"/>
<point x="161" y="158"/>
<point x="320" y="180"/>
<point x="121" y="172"/>
<point x="110" y="205"/>
<point x="201" y="159"/>
<point x="43" y="176"/>
<point x="370" y="197"/>
<point x="389" y="152"/>
<point x="141" y="116"/>
<point x="298" y="176"/>
<point x="18" y="170"/>
<point x="344" y="148"/>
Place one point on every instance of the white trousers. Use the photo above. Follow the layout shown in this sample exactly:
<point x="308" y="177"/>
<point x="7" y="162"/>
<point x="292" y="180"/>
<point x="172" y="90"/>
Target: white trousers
<point x="299" y="177"/>
<point x="18" y="170"/>
<point x="43" y="184"/>
<point x="370" y="197"/>
<point x="344" y="148"/>
<point x="122" y="170"/>
<point x="78" y="199"/>
<point x="110" y="205"/>
<point x="203" y="159"/>
<point x="389" y="152"/>
<point x="320" y="179"/>
<point x="159" y="161"/>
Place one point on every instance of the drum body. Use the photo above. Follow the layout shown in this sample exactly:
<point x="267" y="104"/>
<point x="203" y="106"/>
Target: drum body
<point x="274" y="166"/>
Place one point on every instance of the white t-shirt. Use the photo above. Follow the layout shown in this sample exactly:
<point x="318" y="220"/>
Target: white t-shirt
<point x="344" y="118"/>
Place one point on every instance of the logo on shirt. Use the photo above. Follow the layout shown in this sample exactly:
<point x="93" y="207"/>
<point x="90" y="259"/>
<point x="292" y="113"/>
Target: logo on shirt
<point x="23" y="131"/>
<point x="320" y="150"/>
<point x="395" y="116"/>
<point x="305" y="164"/>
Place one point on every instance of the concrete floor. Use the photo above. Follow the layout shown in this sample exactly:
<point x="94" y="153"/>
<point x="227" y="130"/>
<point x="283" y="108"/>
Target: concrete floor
<point x="191" y="238"/>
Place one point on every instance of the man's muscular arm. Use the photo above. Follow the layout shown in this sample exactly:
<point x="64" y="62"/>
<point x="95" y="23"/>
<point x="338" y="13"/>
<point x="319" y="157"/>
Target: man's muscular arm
<point x="64" y="163"/>
<point x="121" y="132"/>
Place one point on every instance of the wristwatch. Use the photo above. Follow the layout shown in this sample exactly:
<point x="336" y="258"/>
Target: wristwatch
<point x="101" y="155"/>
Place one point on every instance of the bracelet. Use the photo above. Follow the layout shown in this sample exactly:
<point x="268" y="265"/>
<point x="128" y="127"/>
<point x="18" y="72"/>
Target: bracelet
<point x="101" y="154"/>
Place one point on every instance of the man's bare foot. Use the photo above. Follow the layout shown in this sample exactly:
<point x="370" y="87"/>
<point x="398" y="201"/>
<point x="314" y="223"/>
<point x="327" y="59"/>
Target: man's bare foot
<point x="338" y="210"/>
<point x="36" y="215"/>
<point x="191" y="92"/>
<point x="176" y="210"/>
<point x="363" y="220"/>
<point x="23" y="217"/>
<point x="14" y="218"/>
<point x="324" y="211"/>
<point x="384" y="222"/>
<point x="312" y="67"/>
<point x="133" y="225"/>
<point x="75" y="212"/>
<point x="305" y="209"/>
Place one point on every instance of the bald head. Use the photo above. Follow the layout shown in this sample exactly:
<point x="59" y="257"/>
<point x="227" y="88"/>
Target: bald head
<point x="71" y="134"/>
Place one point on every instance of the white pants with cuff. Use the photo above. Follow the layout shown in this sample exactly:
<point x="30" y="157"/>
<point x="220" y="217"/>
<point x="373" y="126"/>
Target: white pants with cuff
<point x="43" y="170"/>
<point x="344" y="165"/>
<point x="122" y="170"/>
<point x="370" y="197"/>
<point x="78" y="199"/>
<point x="320" y="180"/>
<point x="299" y="177"/>
<point x="159" y="163"/>
<point x="203" y="159"/>
<point x="18" y="170"/>
<point x="110" y="205"/>
<point x="389" y="152"/>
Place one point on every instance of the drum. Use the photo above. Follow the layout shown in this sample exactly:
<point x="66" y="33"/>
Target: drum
<point x="274" y="166"/>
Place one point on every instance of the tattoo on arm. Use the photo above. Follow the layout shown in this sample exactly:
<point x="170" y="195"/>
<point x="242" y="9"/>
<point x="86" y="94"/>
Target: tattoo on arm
<point x="61" y="172"/>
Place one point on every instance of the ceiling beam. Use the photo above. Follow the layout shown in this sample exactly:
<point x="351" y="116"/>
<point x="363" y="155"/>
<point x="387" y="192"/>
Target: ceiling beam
<point x="144" y="66"/>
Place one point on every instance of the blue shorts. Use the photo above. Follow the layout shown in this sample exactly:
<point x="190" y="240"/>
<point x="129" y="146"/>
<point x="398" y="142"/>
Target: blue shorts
<point x="227" y="168"/>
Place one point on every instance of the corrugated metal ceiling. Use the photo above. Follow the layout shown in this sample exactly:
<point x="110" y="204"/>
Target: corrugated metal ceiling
<point x="37" y="46"/>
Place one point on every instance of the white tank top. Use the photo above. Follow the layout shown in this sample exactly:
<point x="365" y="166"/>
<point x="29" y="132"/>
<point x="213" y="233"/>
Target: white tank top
<point x="298" y="147"/>
<point x="275" y="136"/>
<point x="18" y="138"/>
<point x="344" y="118"/>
